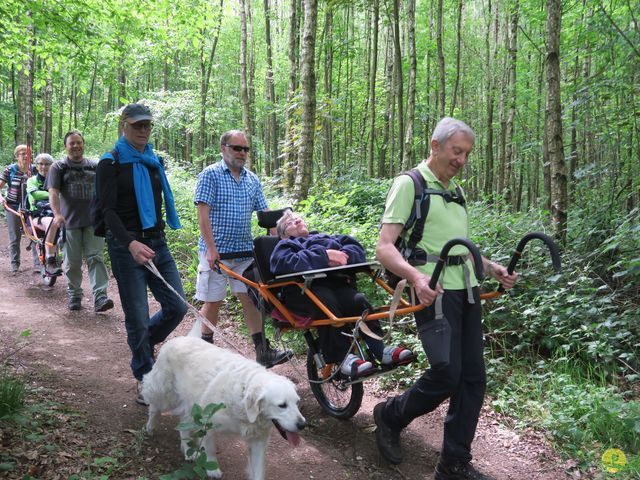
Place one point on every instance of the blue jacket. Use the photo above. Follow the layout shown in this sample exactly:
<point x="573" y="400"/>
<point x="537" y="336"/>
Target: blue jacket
<point x="298" y="254"/>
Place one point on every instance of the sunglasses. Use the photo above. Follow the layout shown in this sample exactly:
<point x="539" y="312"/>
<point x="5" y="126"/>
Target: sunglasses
<point x="141" y="126"/>
<point x="237" y="148"/>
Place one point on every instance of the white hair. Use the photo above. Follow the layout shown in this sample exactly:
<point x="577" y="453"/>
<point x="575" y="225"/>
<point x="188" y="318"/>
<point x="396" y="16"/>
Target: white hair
<point x="448" y="127"/>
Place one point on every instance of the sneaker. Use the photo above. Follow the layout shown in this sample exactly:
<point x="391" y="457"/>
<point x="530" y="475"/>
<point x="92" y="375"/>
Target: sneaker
<point x="354" y="367"/>
<point x="103" y="304"/>
<point x="397" y="356"/>
<point x="270" y="357"/>
<point x="51" y="267"/>
<point x="387" y="439"/>
<point x="139" y="397"/>
<point x="458" y="470"/>
<point x="75" y="303"/>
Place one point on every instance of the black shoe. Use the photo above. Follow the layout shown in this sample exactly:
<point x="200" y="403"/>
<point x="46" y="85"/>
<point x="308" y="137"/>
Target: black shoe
<point x="51" y="267"/>
<point x="270" y="357"/>
<point x="458" y="470"/>
<point x="103" y="304"/>
<point x="387" y="439"/>
<point x="207" y="337"/>
<point x="75" y="303"/>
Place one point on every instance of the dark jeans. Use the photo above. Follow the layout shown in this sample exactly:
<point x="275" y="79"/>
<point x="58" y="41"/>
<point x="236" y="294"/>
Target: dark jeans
<point x="143" y="332"/>
<point x="462" y="378"/>
<point x="342" y="298"/>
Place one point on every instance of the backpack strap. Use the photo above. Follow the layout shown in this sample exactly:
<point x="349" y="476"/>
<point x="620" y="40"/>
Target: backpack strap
<point x="419" y="211"/>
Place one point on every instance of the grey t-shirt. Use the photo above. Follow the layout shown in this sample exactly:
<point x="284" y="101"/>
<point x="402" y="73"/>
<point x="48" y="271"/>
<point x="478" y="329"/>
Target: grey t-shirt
<point x="76" y="182"/>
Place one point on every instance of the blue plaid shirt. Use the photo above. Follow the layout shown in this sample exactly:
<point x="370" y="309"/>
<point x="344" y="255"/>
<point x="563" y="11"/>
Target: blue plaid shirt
<point x="232" y="202"/>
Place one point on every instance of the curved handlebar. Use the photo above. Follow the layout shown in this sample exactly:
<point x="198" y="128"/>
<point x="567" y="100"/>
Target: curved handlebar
<point x="553" y="250"/>
<point x="444" y="253"/>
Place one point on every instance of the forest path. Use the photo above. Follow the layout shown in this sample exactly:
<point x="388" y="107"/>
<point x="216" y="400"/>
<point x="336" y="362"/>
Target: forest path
<point x="82" y="360"/>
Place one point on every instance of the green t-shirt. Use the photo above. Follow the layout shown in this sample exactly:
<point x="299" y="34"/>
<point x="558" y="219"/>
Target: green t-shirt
<point x="444" y="222"/>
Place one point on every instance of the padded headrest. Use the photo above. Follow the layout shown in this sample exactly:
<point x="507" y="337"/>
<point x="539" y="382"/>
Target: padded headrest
<point x="269" y="218"/>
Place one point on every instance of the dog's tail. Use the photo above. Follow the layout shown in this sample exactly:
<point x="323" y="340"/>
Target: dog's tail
<point x="195" y="329"/>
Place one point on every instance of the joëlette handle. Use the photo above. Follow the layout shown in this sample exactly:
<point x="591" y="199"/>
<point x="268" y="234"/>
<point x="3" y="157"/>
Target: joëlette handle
<point x="551" y="245"/>
<point x="444" y="253"/>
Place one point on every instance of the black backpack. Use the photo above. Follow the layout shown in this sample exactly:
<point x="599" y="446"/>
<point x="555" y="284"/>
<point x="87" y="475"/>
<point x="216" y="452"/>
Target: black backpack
<point x="406" y="242"/>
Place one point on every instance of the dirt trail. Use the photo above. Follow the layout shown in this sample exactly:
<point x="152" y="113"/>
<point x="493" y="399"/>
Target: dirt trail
<point x="83" y="359"/>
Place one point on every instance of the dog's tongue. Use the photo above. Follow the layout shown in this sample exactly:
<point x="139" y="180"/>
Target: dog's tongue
<point x="293" y="439"/>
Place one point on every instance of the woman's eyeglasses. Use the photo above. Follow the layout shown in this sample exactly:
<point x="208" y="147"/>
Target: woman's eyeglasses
<point x="46" y="164"/>
<point x="237" y="148"/>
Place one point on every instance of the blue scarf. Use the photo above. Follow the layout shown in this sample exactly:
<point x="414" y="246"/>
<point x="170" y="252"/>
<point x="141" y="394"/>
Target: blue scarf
<point x="142" y="161"/>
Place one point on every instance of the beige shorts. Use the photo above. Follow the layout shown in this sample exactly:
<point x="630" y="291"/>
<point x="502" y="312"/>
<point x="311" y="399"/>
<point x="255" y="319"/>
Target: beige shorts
<point x="211" y="286"/>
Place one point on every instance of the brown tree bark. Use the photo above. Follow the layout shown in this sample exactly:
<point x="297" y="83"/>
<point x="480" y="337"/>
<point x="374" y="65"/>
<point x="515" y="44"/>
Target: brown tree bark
<point x="398" y="81"/>
<point x="271" y="132"/>
<point x="553" y="121"/>
<point x="206" y="66"/>
<point x="454" y="96"/>
<point x="47" y="132"/>
<point x="244" y="75"/>
<point x="327" y="127"/>
<point x="509" y="183"/>
<point x="373" y="67"/>
<point x="294" y="35"/>
<point x="308" y="83"/>
<point x="442" y="91"/>
<point x="408" y="158"/>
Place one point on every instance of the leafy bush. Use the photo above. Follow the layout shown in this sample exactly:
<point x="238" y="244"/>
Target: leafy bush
<point x="12" y="395"/>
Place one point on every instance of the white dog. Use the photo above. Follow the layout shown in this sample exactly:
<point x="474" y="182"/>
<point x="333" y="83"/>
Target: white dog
<point x="189" y="371"/>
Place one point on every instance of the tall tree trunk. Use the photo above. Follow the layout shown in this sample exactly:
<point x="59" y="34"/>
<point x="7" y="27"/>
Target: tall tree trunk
<point x="271" y="136"/>
<point x="398" y="79"/>
<point x="513" y="54"/>
<point x="294" y="35"/>
<point x="387" y="137"/>
<point x="244" y="85"/>
<point x="454" y="96"/>
<point x="308" y="83"/>
<point x="48" y="115"/>
<point x="327" y="143"/>
<point x="91" y="94"/>
<point x="373" y="67"/>
<point x="205" y="78"/>
<point x="488" y="173"/>
<point x="408" y="158"/>
<point x="442" y="100"/>
<point x="553" y="121"/>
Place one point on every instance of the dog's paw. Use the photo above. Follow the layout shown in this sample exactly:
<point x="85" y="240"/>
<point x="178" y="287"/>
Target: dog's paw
<point x="217" y="473"/>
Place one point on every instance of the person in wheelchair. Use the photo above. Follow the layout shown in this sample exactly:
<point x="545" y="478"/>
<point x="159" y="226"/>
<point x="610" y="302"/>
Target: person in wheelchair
<point x="40" y="211"/>
<point x="298" y="251"/>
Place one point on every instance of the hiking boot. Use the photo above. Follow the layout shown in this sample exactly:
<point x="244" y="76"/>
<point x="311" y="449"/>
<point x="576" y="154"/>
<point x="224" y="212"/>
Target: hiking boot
<point x="139" y="397"/>
<point x="75" y="303"/>
<point x="51" y="267"/>
<point x="387" y="439"/>
<point x="355" y="367"/>
<point x="270" y="357"/>
<point x="207" y="337"/>
<point x="458" y="470"/>
<point x="103" y="304"/>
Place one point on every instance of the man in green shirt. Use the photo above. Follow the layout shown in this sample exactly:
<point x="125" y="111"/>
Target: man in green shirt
<point x="450" y="328"/>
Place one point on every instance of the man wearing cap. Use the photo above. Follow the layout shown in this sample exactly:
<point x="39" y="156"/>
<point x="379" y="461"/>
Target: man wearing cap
<point x="71" y="183"/>
<point x="131" y="187"/>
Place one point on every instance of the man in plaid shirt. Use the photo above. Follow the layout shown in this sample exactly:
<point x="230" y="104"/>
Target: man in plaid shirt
<point x="226" y="196"/>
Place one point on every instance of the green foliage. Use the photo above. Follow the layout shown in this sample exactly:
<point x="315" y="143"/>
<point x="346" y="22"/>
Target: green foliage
<point x="583" y="414"/>
<point x="201" y="424"/>
<point x="12" y="395"/>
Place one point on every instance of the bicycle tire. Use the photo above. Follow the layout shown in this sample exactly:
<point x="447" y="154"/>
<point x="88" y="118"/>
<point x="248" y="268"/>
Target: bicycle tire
<point x="338" y="399"/>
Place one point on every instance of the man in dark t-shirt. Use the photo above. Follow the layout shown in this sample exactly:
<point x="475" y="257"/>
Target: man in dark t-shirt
<point x="71" y="183"/>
